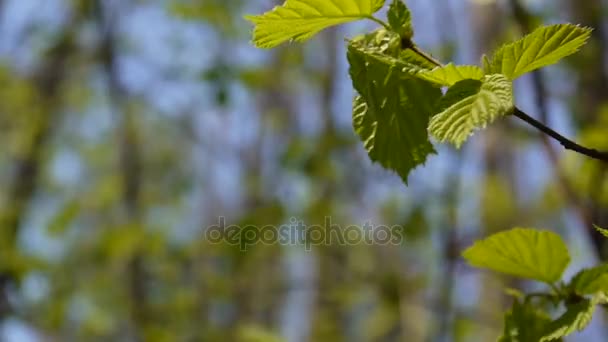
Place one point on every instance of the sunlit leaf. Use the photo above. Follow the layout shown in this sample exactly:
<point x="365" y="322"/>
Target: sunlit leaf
<point x="576" y="318"/>
<point x="299" y="20"/>
<point x="524" y="323"/>
<point x="452" y="74"/>
<point x="590" y="281"/>
<point x="392" y="112"/>
<point x="400" y="19"/>
<point x="470" y="105"/>
<point x="526" y="253"/>
<point x="545" y="46"/>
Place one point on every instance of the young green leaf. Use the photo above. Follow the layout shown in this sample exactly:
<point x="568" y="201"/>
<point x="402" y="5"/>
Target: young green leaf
<point x="299" y="20"/>
<point x="524" y="323"/>
<point x="386" y="46"/>
<point x="576" y="317"/>
<point x="400" y="19"/>
<point x="526" y="253"/>
<point x="545" y="46"/>
<point x="451" y="74"/>
<point x="470" y="105"/>
<point x="590" y="281"/>
<point x="601" y="230"/>
<point x="392" y="112"/>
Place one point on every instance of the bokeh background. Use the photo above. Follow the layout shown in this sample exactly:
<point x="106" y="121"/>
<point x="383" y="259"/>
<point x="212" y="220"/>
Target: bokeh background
<point x="128" y="127"/>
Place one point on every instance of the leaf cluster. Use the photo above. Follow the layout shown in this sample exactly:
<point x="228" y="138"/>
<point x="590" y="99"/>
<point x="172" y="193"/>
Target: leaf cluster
<point x="405" y="97"/>
<point x="399" y="106"/>
<point x="542" y="256"/>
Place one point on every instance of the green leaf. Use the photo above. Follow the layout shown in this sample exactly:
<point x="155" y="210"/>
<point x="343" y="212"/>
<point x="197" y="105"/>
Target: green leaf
<point x="400" y="19"/>
<point x="392" y="112"/>
<point x="576" y="318"/>
<point x="524" y="323"/>
<point x="526" y="253"/>
<point x="470" y="105"/>
<point x="299" y="20"/>
<point x="601" y="230"/>
<point x="545" y="46"/>
<point x="590" y="281"/>
<point x="386" y="46"/>
<point x="451" y="74"/>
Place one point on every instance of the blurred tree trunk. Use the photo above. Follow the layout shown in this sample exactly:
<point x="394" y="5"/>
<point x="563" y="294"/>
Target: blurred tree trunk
<point x="47" y="81"/>
<point x="451" y="248"/>
<point x="447" y="316"/>
<point x="330" y="321"/>
<point x="260" y="290"/>
<point x="497" y="187"/>
<point x="130" y="161"/>
<point x="592" y="76"/>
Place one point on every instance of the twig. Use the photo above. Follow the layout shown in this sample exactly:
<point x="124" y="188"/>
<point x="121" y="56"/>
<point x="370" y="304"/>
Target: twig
<point x="565" y="142"/>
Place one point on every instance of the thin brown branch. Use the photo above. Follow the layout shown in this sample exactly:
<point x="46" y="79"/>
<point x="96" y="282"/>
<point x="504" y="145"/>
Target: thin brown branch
<point x="565" y="142"/>
<point x="130" y="164"/>
<point x="47" y="82"/>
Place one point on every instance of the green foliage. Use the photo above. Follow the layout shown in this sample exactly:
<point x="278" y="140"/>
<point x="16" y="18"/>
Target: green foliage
<point x="526" y="253"/>
<point x="524" y="322"/>
<point x="393" y="109"/>
<point x="476" y="97"/>
<point x="576" y="318"/>
<point x="400" y="19"/>
<point x="543" y="47"/>
<point x="590" y="281"/>
<point x="451" y="74"/>
<point x="385" y="46"/>
<point x="470" y="105"/>
<point x="299" y="20"/>
<point x="543" y="256"/>
<point x="399" y="104"/>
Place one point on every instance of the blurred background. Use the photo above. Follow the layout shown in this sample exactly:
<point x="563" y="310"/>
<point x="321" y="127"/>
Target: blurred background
<point x="128" y="127"/>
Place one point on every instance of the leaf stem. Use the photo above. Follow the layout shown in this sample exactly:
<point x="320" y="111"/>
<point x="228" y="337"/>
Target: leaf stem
<point x="424" y="55"/>
<point x="378" y="21"/>
<point x="565" y="142"/>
